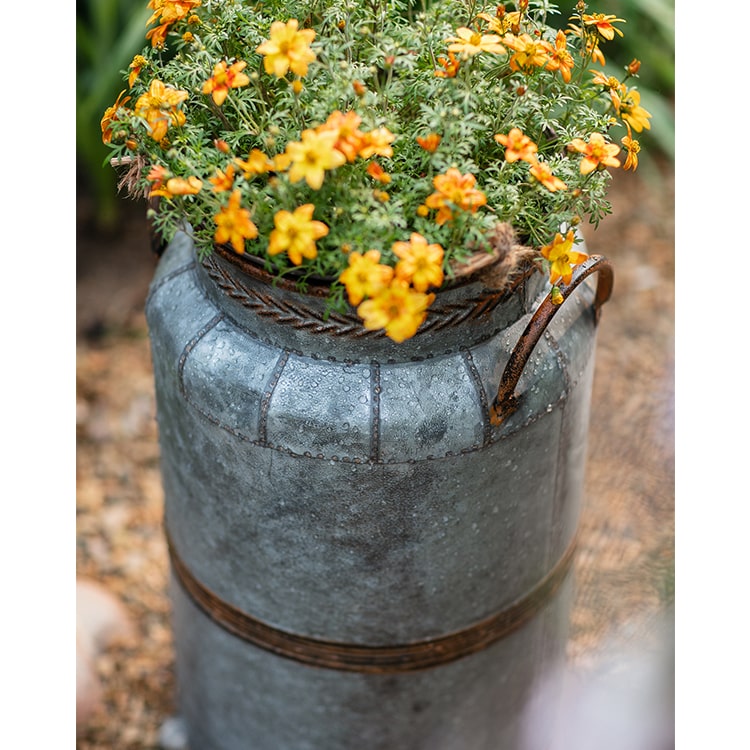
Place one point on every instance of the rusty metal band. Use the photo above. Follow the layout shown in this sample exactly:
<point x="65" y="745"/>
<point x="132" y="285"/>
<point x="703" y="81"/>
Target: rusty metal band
<point x="407" y="657"/>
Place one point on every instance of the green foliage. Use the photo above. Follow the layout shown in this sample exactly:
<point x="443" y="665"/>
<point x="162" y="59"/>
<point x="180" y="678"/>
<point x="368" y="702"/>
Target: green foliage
<point x="108" y="33"/>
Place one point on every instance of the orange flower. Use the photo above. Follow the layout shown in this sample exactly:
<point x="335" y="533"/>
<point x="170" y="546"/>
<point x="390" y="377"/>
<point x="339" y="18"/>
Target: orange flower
<point x="257" y="163"/>
<point x="517" y="146"/>
<point x="454" y="190"/>
<point x="349" y="137"/>
<point x="542" y="172"/>
<point x="628" y="106"/>
<point x="450" y="66"/>
<point x="365" y="276"/>
<point x="398" y="309"/>
<point x="287" y="49"/>
<point x="223" y="79"/>
<point x="429" y="142"/>
<point x="420" y="264"/>
<point x="167" y="12"/>
<point x="223" y="181"/>
<point x="377" y="173"/>
<point x="562" y="257"/>
<point x="378" y="142"/>
<point x="598" y="154"/>
<point x="233" y="224"/>
<point x="138" y="63"/>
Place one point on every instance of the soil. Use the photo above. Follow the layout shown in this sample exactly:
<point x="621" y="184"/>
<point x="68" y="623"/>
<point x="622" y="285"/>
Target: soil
<point x="625" y="565"/>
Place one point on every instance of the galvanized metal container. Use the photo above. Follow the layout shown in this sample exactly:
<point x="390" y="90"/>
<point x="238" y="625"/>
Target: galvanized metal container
<point x="371" y="542"/>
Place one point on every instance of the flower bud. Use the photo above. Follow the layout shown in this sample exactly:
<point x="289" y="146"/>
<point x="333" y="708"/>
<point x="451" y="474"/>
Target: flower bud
<point x="359" y="88"/>
<point x="556" y="296"/>
<point x="633" y="67"/>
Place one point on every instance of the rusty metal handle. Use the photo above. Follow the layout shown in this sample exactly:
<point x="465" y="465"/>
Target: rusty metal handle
<point x="507" y="398"/>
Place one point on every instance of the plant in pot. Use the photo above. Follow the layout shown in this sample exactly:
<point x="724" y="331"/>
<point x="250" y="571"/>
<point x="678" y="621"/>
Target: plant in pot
<point x="372" y="331"/>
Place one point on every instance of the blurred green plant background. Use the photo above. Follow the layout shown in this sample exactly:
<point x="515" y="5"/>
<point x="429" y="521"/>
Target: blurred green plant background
<point x="110" y="32"/>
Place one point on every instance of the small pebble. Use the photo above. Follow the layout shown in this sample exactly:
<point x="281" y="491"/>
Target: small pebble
<point x="173" y="734"/>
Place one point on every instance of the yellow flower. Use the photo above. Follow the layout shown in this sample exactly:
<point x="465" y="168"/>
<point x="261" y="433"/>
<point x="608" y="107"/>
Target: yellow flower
<point x="313" y="155"/>
<point x="110" y="116"/>
<point x="562" y="257"/>
<point x="632" y="147"/>
<point x="602" y="24"/>
<point x="529" y="53"/>
<point x="454" y="190"/>
<point x="598" y="154"/>
<point x="378" y="142"/>
<point x="630" y="110"/>
<point x="365" y="276"/>
<point x="287" y="49"/>
<point x="223" y="79"/>
<point x="503" y="22"/>
<point x="398" y="309"/>
<point x="177" y="186"/>
<point x="517" y="146"/>
<point x="256" y="163"/>
<point x="542" y="172"/>
<point x="469" y="43"/>
<point x="223" y="181"/>
<point x="159" y="107"/>
<point x="296" y="233"/>
<point x="559" y="57"/>
<point x="233" y="224"/>
<point x="419" y="263"/>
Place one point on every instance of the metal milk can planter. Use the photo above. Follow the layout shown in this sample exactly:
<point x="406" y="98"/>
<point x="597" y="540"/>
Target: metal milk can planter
<point x="370" y="542"/>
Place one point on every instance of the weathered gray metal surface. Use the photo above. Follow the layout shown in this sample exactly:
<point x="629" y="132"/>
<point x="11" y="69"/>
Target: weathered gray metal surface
<point x="330" y="494"/>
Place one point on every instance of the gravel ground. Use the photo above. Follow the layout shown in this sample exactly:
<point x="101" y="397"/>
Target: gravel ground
<point x="625" y="565"/>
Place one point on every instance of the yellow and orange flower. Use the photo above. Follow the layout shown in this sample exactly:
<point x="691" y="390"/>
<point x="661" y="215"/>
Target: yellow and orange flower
<point x="350" y="138"/>
<point x="138" y="63"/>
<point x="454" y="191"/>
<point x="288" y="48"/>
<point x="468" y="43"/>
<point x="632" y="148"/>
<point x="398" y="309"/>
<point x="177" y="186"/>
<point x="597" y="153"/>
<point x="542" y="172"/>
<point x="603" y="24"/>
<point x="222" y="79"/>
<point x="313" y="155"/>
<point x="110" y="116"/>
<point x="159" y="106"/>
<point x="562" y="257"/>
<point x="517" y="146"/>
<point x="365" y="276"/>
<point x="167" y="12"/>
<point x="256" y="163"/>
<point x="295" y="233"/>
<point x="233" y="224"/>
<point x="378" y="173"/>
<point x="628" y="106"/>
<point x="503" y="22"/>
<point x="529" y="53"/>
<point x="420" y="263"/>
<point x="558" y="56"/>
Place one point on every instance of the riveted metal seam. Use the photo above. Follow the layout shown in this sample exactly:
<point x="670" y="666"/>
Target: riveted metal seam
<point x="265" y="403"/>
<point x="482" y="395"/>
<point x="166" y="279"/>
<point x="186" y="353"/>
